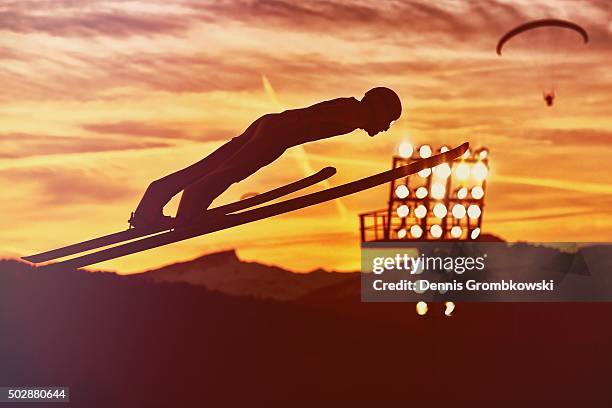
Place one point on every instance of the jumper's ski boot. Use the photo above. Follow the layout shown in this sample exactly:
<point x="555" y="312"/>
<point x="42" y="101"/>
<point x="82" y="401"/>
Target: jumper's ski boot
<point x="136" y="221"/>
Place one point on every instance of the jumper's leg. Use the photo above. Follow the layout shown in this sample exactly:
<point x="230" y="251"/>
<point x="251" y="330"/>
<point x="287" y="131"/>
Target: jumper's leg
<point x="262" y="148"/>
<point x="161" y="191"/>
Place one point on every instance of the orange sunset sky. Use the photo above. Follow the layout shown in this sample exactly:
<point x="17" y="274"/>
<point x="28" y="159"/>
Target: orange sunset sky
<point x="101" y="97"/>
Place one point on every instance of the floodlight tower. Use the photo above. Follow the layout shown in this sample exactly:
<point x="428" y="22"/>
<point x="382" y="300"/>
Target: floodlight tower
<point x="445" y="202"/>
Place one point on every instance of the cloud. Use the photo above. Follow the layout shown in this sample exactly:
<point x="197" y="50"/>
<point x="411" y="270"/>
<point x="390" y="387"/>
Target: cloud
<point x="407" y="28"/>
<point x="561" y="184"/>
<point x="66" y="186"/>
<point x="138" y="129"/>
<point x="344" y="18"/>
<point x="551" y="215"/>
<point x="19" y="145"/>
<point x="360" y="18"/>
<point x="135" y="129"/>
<point x="91" y="23"/>
<point x="569" y="137"/>
<point x="7" y="53"/>
<point x="90" y="76"/>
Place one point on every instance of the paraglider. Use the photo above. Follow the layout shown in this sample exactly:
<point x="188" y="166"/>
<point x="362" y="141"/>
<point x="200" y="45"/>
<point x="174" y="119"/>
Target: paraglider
<point x="540" y="41"/>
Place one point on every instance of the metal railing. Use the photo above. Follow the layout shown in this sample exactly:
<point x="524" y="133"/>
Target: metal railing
<point x="373" y="225"/>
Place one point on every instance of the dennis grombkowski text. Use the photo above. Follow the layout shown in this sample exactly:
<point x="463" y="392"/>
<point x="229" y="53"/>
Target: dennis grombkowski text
<point x="470" y="285"/>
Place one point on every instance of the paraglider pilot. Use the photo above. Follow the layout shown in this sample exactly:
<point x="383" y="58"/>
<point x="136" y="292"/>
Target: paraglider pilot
<point x="549" y="98"/>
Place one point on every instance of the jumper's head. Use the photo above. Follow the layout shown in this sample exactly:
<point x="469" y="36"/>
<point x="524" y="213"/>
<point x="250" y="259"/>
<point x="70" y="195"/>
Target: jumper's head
<point x="384" y="106"/>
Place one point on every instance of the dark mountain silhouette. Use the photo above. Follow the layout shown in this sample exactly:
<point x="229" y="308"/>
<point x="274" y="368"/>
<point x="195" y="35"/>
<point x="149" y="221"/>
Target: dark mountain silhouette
<point x="125" y="341"/>
<point x="486" y="237"/>
<point x="223" y="271"/>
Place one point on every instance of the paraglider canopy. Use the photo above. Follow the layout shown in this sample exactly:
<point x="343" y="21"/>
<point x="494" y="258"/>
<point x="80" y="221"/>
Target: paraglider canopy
<point x="547" y="22"/>
<point x="543" y="46"/>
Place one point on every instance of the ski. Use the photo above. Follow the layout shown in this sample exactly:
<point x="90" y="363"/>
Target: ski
<point x="134" y="233"/>
<point x="212" y="224"/>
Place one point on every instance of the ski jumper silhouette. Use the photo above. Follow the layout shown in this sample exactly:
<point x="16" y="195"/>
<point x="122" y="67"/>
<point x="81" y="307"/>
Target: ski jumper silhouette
<point x="260" y="144"/>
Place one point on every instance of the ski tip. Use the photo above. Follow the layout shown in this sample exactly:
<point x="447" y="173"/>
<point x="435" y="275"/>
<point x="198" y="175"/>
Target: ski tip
<point x="328" y="171"/>
<point x="462" y="148"/>
<point x="29" y="258"/>
<point x="456" y="152"/>
<point x="450" y="155"/>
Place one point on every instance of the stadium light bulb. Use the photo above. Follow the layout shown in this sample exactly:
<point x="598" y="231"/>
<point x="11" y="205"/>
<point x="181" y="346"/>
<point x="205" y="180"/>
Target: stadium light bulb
<point x="440" y="210"/>
<point x="483" y="154"/>
<point x="416" y="231"/>
<point x="462" y="193"/>
<point x="474" y="211"/>
<point x="456" y="231"/>
<point x="402" y="233"/>
<point x="442" y="170"/>
<point x="458" y="211"/>
<point x="438" y="190"/>
<point x="467" y="154"/>
<point x="425" y="151"/>
<point x="403" y="211"/>
<point x="462" y="171"/>
<point x="405" y="150"/>
<point x="421" y="192"/>
<point x="402" y="191"/>
<point x="479" y="171"/>
<point x="444" y="149"/>
<point x="421" y="308"/>
<point x="477" y="192"/>
<point x="420" y="211"/>
<point x="425" y="172"/>
<point x="449" y="307"/>
<point x="436" y="231"/>
<point x="475" y="233"/>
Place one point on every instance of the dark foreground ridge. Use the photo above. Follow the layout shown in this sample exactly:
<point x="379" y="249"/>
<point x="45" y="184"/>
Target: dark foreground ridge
<point x="129" y="341"/>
